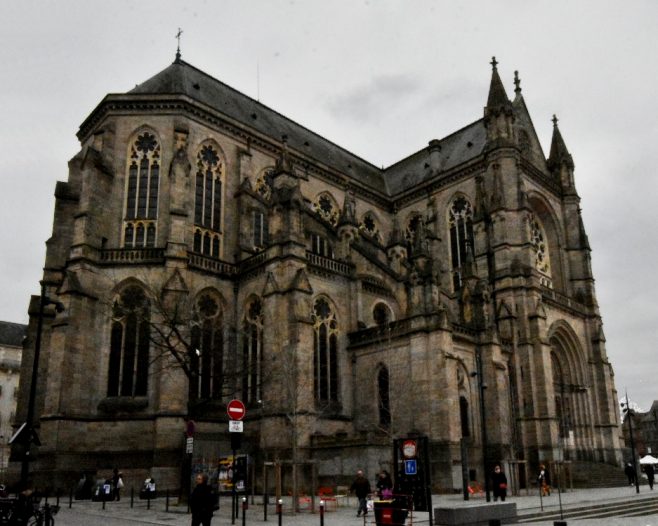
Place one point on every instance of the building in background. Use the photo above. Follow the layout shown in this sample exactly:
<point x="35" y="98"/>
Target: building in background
<point x="11" y="348"/>
<point x="207" y="248"/>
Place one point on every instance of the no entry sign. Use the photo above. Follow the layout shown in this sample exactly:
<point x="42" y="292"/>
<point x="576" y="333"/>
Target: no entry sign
<point x="235" y="410"/>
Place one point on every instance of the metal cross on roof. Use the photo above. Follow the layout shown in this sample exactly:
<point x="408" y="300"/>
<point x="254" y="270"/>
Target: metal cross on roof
<point x="554" y="120"/>
<point x="493" y="62"/>
<point x="180" y="32"/>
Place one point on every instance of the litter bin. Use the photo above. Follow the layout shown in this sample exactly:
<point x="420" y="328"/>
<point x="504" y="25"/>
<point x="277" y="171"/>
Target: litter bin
<point x="388" y="512"/>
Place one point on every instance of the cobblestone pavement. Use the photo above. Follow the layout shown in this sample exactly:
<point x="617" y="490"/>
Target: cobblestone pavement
<point x="86" y="513"/>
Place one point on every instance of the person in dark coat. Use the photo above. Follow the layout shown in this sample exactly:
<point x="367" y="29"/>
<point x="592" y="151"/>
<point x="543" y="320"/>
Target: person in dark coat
<point x="630" y="473"/>
<point x="649" y="470"/>
<point x="117" y="483"/>
<point x="384" y="485"/>
<point x="202" y="501"/>
<point x="361" y="488"/>
<point x="499" y="483"/>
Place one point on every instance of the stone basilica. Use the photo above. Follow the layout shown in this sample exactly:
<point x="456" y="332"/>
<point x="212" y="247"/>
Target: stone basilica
<point x="206" y="248"/>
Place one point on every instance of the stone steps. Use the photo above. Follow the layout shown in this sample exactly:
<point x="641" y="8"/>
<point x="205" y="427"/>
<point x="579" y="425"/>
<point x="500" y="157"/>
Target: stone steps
<point x="635" y="507"/>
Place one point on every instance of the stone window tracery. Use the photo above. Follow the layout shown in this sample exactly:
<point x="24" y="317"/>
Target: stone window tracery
<point x="207" y="357"/>
<point x="326" y="208"/>
<point x="129" y="344"/>
<point x="325" y="362"/>
<point x="252" y="352"/>
<point x="208" y="202"/>
<point x="369" y="226"/>
<point x="460" y="221"/>
<point x="264" y="183"/>
<point x="540" y="249"/>
<point x="143" y="184"/>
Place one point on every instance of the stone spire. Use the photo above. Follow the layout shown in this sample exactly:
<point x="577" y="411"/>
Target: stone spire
<point x="497" y="99"/>
<point x="498" y="113"/>
<point x="559" y="154"/>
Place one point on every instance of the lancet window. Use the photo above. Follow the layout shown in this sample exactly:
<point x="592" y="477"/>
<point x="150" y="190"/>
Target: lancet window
<point x="207" y="352"/>
<point x="143" y="184"/>
<point x="259" y="229"/>
<point x="325" y="341"/>
<point x="460" y="221"/>
<point x="129" y="344"/>
<point x="208" y="202"/>
<point x="252" y="352"/>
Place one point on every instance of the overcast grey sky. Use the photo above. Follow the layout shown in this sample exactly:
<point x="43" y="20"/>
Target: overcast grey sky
<point x="380" y="78"/>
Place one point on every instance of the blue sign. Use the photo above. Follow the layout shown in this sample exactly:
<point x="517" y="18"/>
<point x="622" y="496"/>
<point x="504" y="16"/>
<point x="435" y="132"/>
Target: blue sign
<point x="410" y="467"/>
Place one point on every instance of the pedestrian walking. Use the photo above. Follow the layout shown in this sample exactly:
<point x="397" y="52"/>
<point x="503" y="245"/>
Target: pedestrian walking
<point x="649" y="470"/>
<point x="117" y="483"/>
<point x="361" y="488"/>
<point x="544" y="481"/>
<point x="499" y="481"/>
<point x="202" y="501"/>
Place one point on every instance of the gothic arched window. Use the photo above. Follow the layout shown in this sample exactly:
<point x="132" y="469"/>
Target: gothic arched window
<point x="460" y="220"/>
<point x="143" y="184"/>
<point x="383" y="397"/>
<point x="381" y="314"/>
<point x="207" y="354"/>
<point x="129" y="344"/>
<point x="208" y="202"/>
<point x="252" y="352"/>
<point x="540" y="249"/>
<point x="325" y="362"/>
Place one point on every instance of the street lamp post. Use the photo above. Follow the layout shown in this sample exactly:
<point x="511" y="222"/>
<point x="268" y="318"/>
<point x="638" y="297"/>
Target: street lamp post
<point x="629" y="413"/>
<point x="483" y="420"/>
<point x="29" y="421"/>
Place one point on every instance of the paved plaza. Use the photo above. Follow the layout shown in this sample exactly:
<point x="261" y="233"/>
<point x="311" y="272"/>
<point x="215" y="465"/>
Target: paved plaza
<point x="120" y="513"/>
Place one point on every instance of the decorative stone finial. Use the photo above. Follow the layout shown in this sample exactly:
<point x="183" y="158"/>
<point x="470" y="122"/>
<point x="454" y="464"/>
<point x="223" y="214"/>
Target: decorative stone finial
<point x="517" y="83"/>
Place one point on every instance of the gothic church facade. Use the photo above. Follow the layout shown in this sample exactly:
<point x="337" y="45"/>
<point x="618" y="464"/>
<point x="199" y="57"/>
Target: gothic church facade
<point x="206" y="248"/>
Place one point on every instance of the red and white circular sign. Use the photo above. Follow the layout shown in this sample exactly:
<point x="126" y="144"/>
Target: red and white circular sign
<point x="236" y="410"/>
<point x="409" y="448"/>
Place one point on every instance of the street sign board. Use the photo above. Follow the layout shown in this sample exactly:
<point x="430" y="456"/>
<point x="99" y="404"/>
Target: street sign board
<point x="235" y="410"/>
<point x="235" y="426"/>
<point x="410" y="467"/>
<point x="189" y="445"/>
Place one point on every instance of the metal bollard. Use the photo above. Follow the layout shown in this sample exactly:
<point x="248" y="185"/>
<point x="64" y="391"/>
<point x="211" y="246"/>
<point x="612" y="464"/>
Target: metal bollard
<point x="103" y="499"/>
<point x="560" y="523"/>
<point x="71" y="498"/>
<point x="266" y="501"/>
<point x="148" y="500"/>
<point x="132" y="497"/>
<point x="279" y="510"/>
<point x="321" y="513"/>
<point x="167" y="501"/>
<point x="57" y="494"/>
<point x="244" y="511"/>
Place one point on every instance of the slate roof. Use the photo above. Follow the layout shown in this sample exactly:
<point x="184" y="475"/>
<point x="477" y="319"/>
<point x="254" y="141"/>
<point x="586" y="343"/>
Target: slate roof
<point x="12" y="333"/>
<point x="457" y="148"/>
<point x="183" y="78"/>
